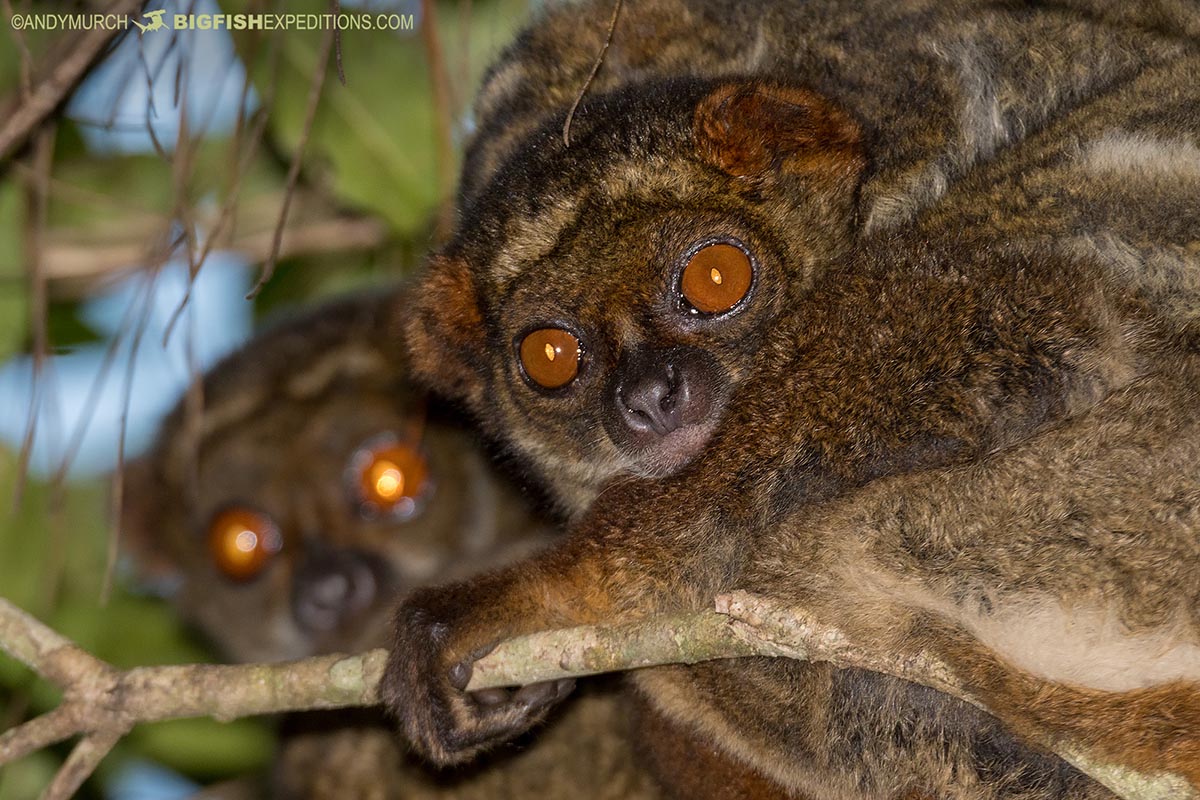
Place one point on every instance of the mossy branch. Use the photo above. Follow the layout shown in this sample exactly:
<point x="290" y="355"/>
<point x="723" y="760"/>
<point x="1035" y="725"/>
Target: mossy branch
<point x="101" y="703"/>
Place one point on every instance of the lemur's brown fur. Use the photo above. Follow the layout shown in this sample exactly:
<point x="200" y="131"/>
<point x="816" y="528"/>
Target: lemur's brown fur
<point x="282" y="421"/>
<point x="930" y="422"/>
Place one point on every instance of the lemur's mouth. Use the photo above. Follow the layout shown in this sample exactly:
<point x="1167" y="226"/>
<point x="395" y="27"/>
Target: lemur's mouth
<point x="672" y="451"/>
<point x="663" y="406"/>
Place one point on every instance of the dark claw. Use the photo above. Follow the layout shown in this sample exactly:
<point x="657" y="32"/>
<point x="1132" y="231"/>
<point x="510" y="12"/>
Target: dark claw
<point x="536" y="694"/>
<point x="480" y="652"/>
<point x="489" y="698"/>
<point x="460" y="674"/>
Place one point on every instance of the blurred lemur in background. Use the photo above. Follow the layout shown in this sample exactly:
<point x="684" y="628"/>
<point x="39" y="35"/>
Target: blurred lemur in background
<point x="886" y="310"/>
<point x="311" y="490"/>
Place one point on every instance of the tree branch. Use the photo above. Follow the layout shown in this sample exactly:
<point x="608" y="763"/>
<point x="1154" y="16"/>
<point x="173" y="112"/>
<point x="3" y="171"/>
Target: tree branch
<point x="83" y="260"/>
<point x="101" y="703"/>
<point x="575" y="652"/>
<point x="63" y="69"/>
<point x="50" y="728"/>
<point x="84" y="759"/>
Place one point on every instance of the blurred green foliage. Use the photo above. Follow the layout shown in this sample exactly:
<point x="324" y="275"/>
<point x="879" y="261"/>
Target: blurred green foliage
<point x="372" y="151"/>
<point x="13" y="323"/>
<point x="374" y="138"/>
<point x="54" y="547"/>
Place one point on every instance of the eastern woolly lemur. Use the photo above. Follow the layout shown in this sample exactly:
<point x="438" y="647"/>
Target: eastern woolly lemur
<point x="752" y="333"/>
<point x="309" y="493"/>
<point x="313" y="488"/>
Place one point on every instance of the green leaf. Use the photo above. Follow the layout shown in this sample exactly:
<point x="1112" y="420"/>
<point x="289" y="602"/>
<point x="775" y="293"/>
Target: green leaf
<point x="374" y="138"/>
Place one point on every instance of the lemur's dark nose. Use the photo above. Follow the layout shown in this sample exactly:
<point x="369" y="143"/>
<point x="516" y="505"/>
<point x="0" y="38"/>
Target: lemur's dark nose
<point x="332" y="587"/>
<point x="653" y="394"/>
<point x="662" y="405"/>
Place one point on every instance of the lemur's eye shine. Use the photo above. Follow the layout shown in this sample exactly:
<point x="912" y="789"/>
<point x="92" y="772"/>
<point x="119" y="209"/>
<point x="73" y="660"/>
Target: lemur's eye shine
<point x="389" y="477"/>
<point x="242" y="542"/>
<point x="550" y="357"/>
<point x="716" y="278"/>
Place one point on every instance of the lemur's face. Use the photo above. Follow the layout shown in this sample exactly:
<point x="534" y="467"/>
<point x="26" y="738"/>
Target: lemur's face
<point x="307" y="525"/>
<point x="627" y="360"/>
<point x="301" y="525"/>
<point x="604" y="313"/>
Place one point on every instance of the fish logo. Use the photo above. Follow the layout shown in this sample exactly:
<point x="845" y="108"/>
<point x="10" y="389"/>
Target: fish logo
<point x="156" y="21"/>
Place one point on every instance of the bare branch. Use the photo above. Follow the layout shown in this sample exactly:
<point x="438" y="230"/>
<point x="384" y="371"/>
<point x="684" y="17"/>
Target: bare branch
<point x="83" y="760"/>
<point x="47" y="652"/>
<point x="574" y="652"/>
<point x="100" y="699"/>
<point x="25" y="65"/>
<point x="50" y="728"/>
<point x="442" y="111"/>
<point x="87" y="258"/>
<point x="37" y="197"/>
<point x="64" y="68"/>
<point x="293" y="176"/>
<point x="101" y="702"/>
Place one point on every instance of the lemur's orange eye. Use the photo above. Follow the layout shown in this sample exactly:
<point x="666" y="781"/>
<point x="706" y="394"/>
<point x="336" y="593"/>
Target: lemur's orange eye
<point x="550" y="357"/>
<point x="716" y="278"/>
<point x="390" y="478"/>
<point x="242" y="541"/>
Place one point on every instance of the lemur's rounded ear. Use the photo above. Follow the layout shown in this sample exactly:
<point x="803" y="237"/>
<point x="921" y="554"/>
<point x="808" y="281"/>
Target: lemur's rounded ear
<point x="749" y="128"/>
<point x="444" y="331"/>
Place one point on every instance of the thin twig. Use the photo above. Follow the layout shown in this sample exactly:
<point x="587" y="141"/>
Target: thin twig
<point x="74" y="263"/>
<point x="150" y="113"/>
<point x="66" y="67"/>
<point x="293" y="176"/>
<point x="440" y="85"/>
<point x="62" y="191"/>
<point x="337" y="42"/>
<point x="37" y="197"/>
<point x="117" y="485"/>
<point x="94" y="391"/>
<point x="244" y="150"/>
<point x="84" y="759"/>
<point x="213" y="235"/>
<point x="612" y="29"/>
<point x="25" y="62"/>
<point x="58" y="538"/>
<point x="50" y="728"/>
<point x="181" y="171"/>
